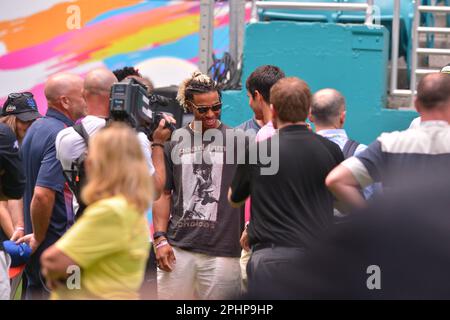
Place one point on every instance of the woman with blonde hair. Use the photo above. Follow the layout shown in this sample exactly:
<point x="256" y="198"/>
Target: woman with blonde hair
<point x="18" y="112"/>
<point x="108" y="246"/>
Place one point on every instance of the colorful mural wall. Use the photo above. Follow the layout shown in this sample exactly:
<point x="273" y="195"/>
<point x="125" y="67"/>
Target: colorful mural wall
<point x="160" y="37"/>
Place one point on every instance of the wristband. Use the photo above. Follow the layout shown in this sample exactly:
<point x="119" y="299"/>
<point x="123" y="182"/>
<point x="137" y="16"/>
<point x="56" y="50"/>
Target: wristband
<point x="162" y="244"/>
<point x="159" y="240"/>
<point x="19" y="229"/>
<point x="157" y="145"/>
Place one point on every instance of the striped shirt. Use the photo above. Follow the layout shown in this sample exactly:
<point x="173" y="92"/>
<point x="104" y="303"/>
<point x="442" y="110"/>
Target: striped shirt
<point x="422" y="150"/>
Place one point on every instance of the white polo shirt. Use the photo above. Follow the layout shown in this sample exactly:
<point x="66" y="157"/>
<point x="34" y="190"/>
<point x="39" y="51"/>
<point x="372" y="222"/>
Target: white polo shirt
<point x="70" y="145"/>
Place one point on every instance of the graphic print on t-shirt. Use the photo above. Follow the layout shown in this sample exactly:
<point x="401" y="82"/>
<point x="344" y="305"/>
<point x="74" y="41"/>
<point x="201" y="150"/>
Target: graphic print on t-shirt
<point x="201" y="187"/>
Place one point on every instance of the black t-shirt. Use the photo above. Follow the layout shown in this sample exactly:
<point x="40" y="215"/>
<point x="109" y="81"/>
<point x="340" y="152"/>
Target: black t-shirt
<point x="12" y="179"/>
<point x="201" y="218"/>
<point x="293" y="206"/>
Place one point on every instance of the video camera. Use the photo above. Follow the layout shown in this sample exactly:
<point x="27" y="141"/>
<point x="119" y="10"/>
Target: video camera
<point x="130" y="102"/>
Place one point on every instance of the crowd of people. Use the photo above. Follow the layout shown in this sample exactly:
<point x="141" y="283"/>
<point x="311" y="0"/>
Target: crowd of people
<point x="223" y="226"/>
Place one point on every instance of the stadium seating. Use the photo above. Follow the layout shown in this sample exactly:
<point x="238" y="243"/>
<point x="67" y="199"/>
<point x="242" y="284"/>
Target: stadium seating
<point x="298" y="15"/>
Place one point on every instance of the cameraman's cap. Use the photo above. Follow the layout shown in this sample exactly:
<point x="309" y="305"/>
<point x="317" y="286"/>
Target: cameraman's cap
<point x="22" y="105"/>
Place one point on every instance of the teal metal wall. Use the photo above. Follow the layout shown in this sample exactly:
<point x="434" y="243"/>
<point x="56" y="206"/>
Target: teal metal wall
<point x="350" y="58"/>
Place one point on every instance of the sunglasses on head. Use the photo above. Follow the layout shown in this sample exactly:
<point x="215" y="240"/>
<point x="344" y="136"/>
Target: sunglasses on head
<point x="20" y="94"/>
<point x="204" y="109"/>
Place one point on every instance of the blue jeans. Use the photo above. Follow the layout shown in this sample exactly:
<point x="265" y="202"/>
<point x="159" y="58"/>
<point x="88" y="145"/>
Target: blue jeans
<point x="36" y="289"/>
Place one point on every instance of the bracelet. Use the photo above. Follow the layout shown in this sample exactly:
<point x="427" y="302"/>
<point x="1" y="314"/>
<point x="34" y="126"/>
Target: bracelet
<point x="157" y="145"/>
<point x="19" y="229"/>
<point x="162" y="244"/>
<point x="159" y="240"/>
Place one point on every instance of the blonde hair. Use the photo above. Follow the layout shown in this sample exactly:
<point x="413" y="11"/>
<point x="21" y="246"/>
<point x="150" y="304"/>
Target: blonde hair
<point x="116" y="166"/>
<point x="198" y="83"/>
<point x="10" y="121"/>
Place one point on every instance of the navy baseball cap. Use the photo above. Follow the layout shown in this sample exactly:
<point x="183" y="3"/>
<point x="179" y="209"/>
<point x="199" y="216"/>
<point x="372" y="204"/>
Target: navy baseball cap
<point x="22" y="105"/>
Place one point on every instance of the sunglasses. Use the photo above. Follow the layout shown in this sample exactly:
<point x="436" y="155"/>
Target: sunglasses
<point x="20" y="94"/>
<point x="204" y="109"/>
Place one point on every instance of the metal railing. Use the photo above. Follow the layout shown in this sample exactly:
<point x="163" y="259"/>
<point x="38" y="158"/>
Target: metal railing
<point x="395" y="47"/>
<point x="433" y="30"/>
<point x="207" y="16"/>
<point x="237" y="22"/>
<point x="367" y="7"/>
<point x="415" y="49"/>
<point x="434" y="9"/>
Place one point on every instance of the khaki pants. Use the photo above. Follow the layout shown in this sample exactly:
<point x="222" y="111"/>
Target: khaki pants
<point x="245" y="256"/>
<point x="199" y="276"/>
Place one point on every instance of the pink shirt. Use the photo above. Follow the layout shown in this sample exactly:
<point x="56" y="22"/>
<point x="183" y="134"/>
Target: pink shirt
<point x="265" y="132"/>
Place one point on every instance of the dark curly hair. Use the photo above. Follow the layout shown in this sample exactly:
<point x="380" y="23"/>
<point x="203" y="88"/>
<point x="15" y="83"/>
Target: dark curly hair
<point x="125" y="72"/>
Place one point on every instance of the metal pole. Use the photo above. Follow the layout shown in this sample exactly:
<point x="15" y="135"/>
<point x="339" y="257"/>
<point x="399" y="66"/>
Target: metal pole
<point x="394" y="45"/>
<point x="435" y="9"/>
<point x="433" y="30"/>
<point x="254" y="13"/>
<point x="369" y="13"/>
<point x="415" y="40"/>
<point x="206" y="34"/>
<point x="237" y="25"/>
<point x="433" y="51"/>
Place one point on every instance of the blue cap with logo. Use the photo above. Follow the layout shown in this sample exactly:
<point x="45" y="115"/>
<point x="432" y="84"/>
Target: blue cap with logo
<point x="19" y="253"/>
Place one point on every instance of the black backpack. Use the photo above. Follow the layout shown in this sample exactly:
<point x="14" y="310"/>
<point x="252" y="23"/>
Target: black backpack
<point x="348" y="151"/>
<point x="350" y="148"/>
<point x="76" y="176"/>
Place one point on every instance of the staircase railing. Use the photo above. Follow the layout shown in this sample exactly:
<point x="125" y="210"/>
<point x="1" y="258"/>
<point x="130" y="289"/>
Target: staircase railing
<point x="415" y="49"/>
<point x="367" y="7"/>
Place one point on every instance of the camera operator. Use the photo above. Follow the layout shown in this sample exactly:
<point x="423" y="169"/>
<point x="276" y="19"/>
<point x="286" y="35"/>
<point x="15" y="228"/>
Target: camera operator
<point x="12" y="184"/>
<point x="70" y="145"/>
<point x="131" y="72"/>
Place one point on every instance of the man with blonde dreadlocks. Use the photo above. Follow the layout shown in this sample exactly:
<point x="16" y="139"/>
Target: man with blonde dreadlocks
<point x="193" y="222"/>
